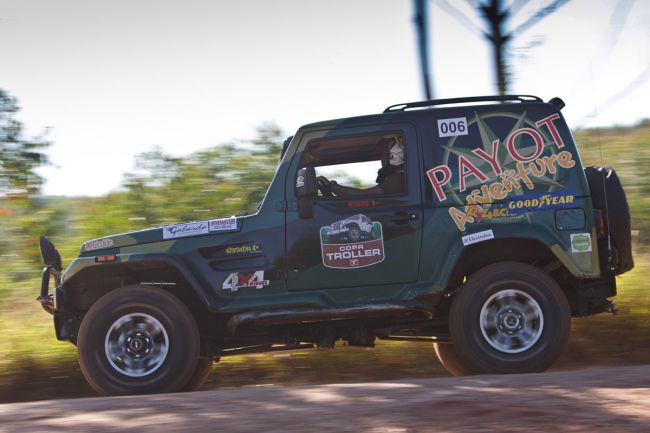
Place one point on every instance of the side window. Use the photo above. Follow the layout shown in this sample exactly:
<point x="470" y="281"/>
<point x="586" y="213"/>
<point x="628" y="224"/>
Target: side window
<point x="358" y="165"/>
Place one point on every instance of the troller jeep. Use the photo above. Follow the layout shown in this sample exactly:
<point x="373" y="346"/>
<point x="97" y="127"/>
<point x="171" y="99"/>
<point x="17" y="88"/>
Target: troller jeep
<point x="498" y="237"/>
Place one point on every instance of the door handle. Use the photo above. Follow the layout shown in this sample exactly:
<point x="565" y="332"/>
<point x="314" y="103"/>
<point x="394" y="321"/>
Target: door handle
<point x="404" y="217"/>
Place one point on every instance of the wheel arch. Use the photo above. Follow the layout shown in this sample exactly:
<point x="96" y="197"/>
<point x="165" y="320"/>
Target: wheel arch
<point x="479" y="255"/>
<point x="84" y="285"/>
<point x="523" y="250"/>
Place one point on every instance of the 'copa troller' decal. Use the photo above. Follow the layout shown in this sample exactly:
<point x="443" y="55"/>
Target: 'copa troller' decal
<point x="354" y="242"/>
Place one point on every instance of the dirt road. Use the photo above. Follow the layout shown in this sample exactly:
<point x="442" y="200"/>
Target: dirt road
<point x="604" y="399"/>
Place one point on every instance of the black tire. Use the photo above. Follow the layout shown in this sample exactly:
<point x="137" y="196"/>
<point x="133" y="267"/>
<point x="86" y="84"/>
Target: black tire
<point x="509" y="318"/>
<point x="138" y="340"/>
<point x="201" y="373"/>
<point x="448" y="357"/>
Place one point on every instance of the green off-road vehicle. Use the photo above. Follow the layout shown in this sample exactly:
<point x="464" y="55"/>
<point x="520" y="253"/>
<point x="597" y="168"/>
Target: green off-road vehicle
<point x="492" y="237"/>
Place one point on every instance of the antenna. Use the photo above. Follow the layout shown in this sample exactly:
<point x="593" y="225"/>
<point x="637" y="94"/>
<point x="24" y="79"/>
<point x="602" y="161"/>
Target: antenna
<point x="602" y="173"/>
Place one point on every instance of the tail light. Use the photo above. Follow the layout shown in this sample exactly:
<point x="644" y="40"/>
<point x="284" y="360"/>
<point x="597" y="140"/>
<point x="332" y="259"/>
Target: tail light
<point x="601" y="229"/>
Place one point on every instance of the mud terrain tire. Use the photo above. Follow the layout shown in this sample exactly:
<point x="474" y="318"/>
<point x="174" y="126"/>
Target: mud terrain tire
<point x="509" y="317"/>
<point x="138" y="340"/>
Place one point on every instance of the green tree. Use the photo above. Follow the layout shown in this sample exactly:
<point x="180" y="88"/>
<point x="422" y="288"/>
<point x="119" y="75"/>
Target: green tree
<point x="19" y="155"/>
<point x="22" y="213"/>
<point x="223" y="180"/>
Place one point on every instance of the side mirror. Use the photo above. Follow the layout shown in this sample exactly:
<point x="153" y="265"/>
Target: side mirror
<point x="306" y="190"/>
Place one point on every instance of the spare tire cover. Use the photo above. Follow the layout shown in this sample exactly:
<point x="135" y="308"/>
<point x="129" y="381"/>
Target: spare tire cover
<point x="608" y="196"/>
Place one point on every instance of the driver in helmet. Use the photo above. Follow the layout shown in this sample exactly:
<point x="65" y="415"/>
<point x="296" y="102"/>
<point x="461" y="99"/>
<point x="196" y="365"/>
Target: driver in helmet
<point x="390" y="177"/>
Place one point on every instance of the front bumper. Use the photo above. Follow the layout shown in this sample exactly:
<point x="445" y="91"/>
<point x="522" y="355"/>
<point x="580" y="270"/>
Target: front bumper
<point x="46" y="298"/>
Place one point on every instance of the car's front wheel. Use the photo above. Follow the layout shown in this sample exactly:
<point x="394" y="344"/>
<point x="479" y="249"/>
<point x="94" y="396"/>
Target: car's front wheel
<point x="136" y="340"/>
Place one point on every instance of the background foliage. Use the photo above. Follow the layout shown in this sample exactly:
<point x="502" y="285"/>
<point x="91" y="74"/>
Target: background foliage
<point x="229" y="179"/>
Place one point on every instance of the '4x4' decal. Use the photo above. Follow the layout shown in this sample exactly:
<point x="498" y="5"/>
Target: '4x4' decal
<point x="239" y="280"/>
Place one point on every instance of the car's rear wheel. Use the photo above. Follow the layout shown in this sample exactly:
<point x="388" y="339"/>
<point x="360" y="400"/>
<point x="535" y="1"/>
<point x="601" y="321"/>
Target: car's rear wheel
<point x="508" y="318"/>
<point x="138" y="339"/>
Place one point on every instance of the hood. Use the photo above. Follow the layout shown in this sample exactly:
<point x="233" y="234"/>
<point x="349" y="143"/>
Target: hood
<point x="164" y="233"/>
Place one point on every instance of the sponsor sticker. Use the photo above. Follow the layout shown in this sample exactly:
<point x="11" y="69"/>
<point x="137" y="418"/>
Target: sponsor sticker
<point x="243" y="249"/>
<point x="452" y="127"/>
<point x="546" y="201"/>
<point x="487" y="166"/>
<point x="478" y="237"/>
<point x="354" y="242"/>
<point x="494" y="212"/>
<point x="184" y="230"/>
<point x="223" y="224"/>
<point x="241" y="280"/>
<point x="98" y="244"/>
<point x="580" y="243"/>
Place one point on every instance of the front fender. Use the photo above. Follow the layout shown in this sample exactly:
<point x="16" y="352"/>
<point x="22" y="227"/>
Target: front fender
<point x="83" y="269"/>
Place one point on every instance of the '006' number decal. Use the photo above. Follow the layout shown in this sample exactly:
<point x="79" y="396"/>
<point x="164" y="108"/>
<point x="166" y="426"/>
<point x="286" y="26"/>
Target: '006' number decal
<point x="452" y="127"/>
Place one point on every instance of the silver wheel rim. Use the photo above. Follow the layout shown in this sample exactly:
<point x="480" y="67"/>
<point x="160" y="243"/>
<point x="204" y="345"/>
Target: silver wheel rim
<point x="511" y="321"/>
<point x="136" y="344"/>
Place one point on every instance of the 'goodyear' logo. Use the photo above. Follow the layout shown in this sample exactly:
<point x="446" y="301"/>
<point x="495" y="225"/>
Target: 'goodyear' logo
<point x="543" y="202"/>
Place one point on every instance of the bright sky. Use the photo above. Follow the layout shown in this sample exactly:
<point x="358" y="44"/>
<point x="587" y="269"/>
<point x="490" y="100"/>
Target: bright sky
<point x="115" y="78"/>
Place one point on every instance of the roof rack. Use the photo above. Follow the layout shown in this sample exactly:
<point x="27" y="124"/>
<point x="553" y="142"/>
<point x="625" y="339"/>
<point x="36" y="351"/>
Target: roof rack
<point x="407" y="105"/>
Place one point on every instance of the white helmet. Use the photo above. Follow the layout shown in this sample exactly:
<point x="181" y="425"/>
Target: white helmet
<point x="396" y="146"/>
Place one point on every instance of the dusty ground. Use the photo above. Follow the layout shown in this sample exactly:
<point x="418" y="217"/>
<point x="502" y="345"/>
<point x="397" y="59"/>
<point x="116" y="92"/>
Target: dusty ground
<point x="601" y="399"/>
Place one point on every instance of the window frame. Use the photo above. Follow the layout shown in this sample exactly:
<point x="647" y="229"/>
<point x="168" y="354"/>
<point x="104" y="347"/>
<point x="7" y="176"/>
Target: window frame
<point x="308" y="144"/>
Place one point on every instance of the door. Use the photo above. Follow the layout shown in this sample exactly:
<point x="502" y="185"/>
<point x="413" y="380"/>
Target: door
<point x="366" y="233"/>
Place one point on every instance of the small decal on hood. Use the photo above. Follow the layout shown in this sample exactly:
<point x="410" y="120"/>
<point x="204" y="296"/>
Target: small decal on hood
<point x="97" y="244"/>
<point x="187" y="229"/>
<point x="223" y="224"/>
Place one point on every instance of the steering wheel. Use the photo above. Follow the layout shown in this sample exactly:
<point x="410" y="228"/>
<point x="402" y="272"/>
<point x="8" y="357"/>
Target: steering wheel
<point x="324" y="188"/>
